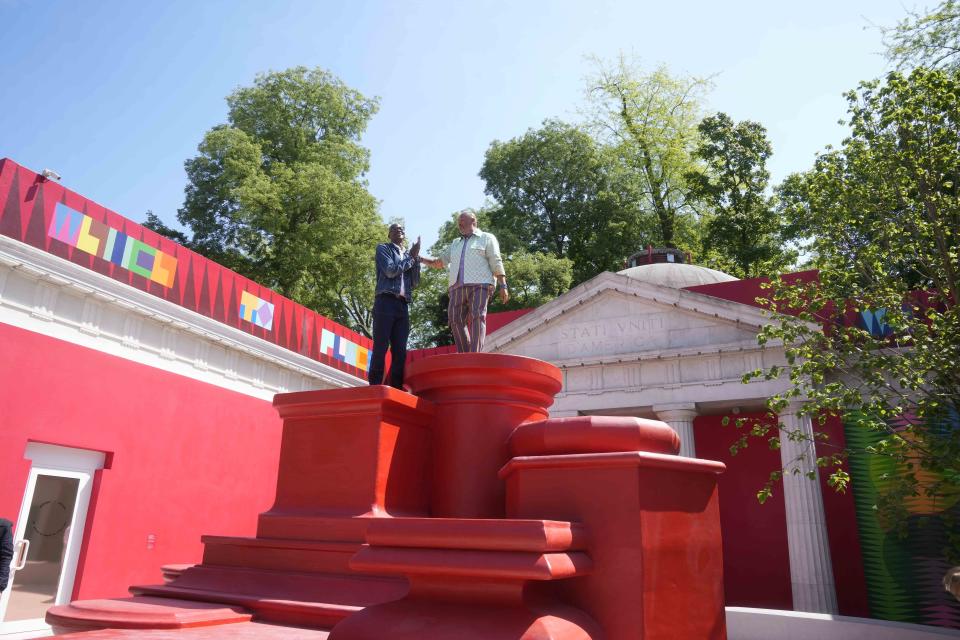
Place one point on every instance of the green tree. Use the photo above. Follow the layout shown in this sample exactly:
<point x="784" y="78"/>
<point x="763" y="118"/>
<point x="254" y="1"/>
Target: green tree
<point x="929" y="39"/>
<point x="154" y="222"/>
<point x="651" y="119"/>
<point x="556" y="195"/>
<point x="536" y="278"/>
<point x="743" y="232"/>
<point x="278" y="193"/>
<point x="428" y="312"/>
<point x="883" y="214"/>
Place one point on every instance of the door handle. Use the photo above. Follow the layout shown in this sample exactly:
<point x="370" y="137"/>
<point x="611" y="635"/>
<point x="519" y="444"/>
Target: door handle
<point x="23" y="548"/>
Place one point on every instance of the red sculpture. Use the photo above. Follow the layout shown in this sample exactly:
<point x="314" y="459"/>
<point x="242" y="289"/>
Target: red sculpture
<point x="459" y="510"/>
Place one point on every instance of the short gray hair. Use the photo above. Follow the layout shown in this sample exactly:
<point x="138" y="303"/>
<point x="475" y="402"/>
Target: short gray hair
<point x="467" y="212"/>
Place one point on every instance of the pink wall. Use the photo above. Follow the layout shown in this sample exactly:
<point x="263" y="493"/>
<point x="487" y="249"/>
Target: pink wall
<point x="186" y="458"/>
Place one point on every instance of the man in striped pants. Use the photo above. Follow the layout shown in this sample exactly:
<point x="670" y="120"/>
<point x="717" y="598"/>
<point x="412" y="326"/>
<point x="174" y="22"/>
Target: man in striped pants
<point x="474" y="266"/>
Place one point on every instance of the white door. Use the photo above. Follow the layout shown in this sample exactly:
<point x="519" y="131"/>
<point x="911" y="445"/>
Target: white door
<point x="48" y="535"/>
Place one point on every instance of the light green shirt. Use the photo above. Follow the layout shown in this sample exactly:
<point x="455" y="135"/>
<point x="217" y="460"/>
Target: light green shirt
<point x="482" y="263"/>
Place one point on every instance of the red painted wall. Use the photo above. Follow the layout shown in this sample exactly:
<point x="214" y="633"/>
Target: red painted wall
<point x="755" y="555"/>
<point x="756" y="561"/>
<point x="186" y="458"/>
<point x="747" y="291"/>
<point x="502" y="318"/>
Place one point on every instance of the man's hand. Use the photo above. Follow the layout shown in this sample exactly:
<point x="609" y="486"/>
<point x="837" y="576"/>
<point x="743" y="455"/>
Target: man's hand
<point x="415" y="249"/>
<point x="432" y="262"/>
<point x="504" y="295"/>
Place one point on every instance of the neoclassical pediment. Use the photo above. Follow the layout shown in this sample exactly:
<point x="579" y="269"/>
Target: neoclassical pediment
<point x="613" y="317"/>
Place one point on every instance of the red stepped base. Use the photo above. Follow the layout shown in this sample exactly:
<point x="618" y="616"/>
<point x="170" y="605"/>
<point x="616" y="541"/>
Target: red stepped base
<point x="348" y="541"/>
<point x="348" y="457"/>
<point x="472" y="578"/>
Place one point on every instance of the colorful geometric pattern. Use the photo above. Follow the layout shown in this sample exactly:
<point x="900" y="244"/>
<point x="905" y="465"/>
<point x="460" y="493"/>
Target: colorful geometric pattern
<point x="342" y="349"/>
<point x="255" y="310"/>
<point x="97" y="239"/>
<point x="31" y="213"/>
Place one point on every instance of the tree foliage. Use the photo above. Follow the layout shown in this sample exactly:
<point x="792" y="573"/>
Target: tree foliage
<point x="743" y="232"/>
<point x="557" y="194"/>
<point x="883" y="215"/>
<point x="929" y="39"/>
<point x="651" y="119"/>
<point x="278" y="193"/>
<point x="536" y="278"/>
<point x="428" y="311"/>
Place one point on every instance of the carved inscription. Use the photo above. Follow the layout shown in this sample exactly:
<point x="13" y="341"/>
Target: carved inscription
<point x="620" y="335"/>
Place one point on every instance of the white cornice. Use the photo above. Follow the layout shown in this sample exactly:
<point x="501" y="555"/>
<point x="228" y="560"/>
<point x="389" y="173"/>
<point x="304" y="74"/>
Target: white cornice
<point x="669" y="354"/>
<point x="43" y="293"/>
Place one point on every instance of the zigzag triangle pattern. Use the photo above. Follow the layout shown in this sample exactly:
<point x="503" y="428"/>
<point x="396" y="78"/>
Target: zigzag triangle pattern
<point x="49" y="217"/>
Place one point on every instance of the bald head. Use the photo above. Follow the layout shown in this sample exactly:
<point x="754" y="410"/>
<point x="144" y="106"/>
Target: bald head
<point x="467" y="222"/>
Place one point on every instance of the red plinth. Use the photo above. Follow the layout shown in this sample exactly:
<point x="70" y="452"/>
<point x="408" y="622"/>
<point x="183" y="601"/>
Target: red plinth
<point x="653" y="519"/>
<point x="347" y="455"/>
<point x="480" y="398"/>
<point x="473" y="579"/>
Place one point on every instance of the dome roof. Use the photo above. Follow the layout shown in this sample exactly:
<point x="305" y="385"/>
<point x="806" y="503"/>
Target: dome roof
<point x="676" y="275"/>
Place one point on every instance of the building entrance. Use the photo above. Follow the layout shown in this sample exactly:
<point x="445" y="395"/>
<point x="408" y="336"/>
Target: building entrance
<point x="48" y="536"/>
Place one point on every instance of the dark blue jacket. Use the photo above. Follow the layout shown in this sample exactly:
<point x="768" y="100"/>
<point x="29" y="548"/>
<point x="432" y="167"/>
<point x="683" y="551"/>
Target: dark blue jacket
<point x="391" y="266"/>
<point x="6" y="551"/>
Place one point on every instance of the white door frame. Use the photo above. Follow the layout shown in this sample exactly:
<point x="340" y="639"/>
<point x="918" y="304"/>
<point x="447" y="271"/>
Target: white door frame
<point x="64" y="462"/>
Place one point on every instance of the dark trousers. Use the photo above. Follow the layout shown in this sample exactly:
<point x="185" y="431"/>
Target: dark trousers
<point x="391" y="327"/>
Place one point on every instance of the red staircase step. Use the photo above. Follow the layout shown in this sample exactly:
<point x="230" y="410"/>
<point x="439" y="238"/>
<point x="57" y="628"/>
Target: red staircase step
<point x="142" y="613"/>
<point x="477" y="533"/>
<point x="306" y="599"/>
<point x="279" y="555"/>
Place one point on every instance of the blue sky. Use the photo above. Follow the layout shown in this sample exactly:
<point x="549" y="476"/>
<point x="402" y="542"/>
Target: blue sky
<point x="115" y="95"/>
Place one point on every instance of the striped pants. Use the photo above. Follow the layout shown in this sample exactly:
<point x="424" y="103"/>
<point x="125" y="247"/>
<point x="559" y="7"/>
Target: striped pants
<point x="467" y="315"/>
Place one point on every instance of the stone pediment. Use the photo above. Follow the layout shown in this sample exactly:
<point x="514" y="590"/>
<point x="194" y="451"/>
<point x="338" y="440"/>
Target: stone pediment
<point x="613" y="316"/>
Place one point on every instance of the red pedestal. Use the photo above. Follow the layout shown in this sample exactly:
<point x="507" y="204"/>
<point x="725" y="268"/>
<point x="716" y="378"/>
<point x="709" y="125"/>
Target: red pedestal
<point x="653" y="519"/>
<point x="348" y="455"/>
<point x="480" y="398"/>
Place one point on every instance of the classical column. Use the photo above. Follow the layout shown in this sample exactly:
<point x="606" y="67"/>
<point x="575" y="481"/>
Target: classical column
<point x="811" y="569"/>
<point x="680" y="418"/>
